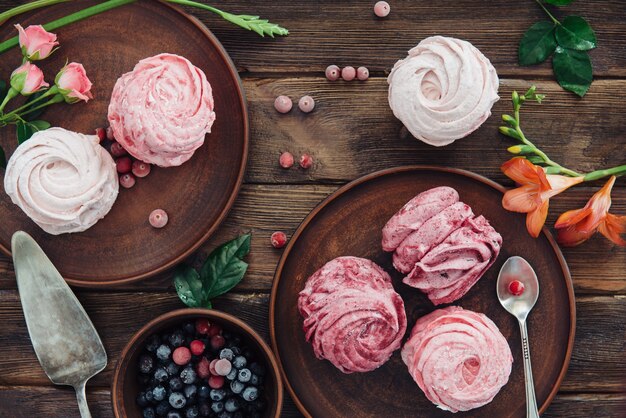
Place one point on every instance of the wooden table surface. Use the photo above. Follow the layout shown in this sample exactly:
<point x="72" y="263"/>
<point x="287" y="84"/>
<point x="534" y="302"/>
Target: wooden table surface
<point x="351" y="133"/>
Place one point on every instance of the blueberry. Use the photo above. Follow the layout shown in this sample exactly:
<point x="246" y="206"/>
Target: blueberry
<point x="231" y="404"/>
<point x="188" y="375"/>
<point x="225" y="414"/>
<point x="204" y="391"/>
<point x="217" y="407"/>
<point x="250" y="394"/>
<point x="146" y="363"/>
<point x="153" y="343"/>
<point x="244" y="375"/>
<point x="227" y="353"/>
<point x="176" y="384"/>
<point x="237" y="387"/>
<point x="158" y="393"/>
<point x="174" y="414"/>
<point x="160" y="375"/>
<point x="162" y="408"/>
<point x="218" y="394"/>
<point x="192" y="412"/>
<point x="141" y="400"/>
<point x="177" y="400"/>
<point x="236" y="350"/>
<point x="163" y="352"/>
<point x="254" y="380"/>
<point x="189" y="328"/>
<point x="149" y="396"/>
<point x="172" y="368"/>
<point x="149" y="412"/>
<point x="257" y="369"/>
<point x="190" y="391"/>
<point x="177" y="339"/>
<point x="204" y="409"/>
<point x="232" y="375"/>
<point x="240" y="362"/>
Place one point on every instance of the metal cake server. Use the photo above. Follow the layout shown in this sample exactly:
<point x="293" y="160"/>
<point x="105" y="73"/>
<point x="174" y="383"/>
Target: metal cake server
<point x="516" y="268"/>
<point x="65" y="341"/>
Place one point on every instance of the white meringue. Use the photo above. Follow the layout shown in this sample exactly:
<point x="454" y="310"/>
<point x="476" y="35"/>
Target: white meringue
<point x="64" y="181"/>
<point x="443" y="90"/>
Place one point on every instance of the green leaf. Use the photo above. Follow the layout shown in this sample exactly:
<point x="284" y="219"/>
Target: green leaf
<point x="224" y="268"/>
<point x="559" y="2"/>
<point x="575" y="33"/>
<point x="189" y="286"/>
<point x="3" y="159"/>
<point x="33" y="115"/>
<point x="39" y="125"/>
<point x="573" y="70"/>
<point x="24" y="131"/>
<point x="3" y="89"/>
<point x="537" y="43"/>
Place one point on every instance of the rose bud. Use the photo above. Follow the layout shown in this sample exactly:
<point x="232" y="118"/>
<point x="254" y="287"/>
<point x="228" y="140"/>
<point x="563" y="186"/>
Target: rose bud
<point x="27" y="79"/>
<point x="36" y="42"/>
<point x="73" y="83"/>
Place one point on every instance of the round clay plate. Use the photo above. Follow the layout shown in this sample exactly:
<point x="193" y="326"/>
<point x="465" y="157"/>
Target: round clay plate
<point x="123" y="247"/>
<point x="349" y="222"/>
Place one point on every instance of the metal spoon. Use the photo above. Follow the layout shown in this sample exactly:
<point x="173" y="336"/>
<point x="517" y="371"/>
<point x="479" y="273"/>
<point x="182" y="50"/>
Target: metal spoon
<point x="516" y="268"/>
<point x="65" y="341"/>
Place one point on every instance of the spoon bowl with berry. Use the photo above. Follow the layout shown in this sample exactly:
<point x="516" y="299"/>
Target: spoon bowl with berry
<point x="518" y="291"/>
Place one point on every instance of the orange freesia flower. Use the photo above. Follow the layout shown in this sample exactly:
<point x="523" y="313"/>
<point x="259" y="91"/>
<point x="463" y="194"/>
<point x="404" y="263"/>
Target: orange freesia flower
<point x="536" y="189"/>
<point x="576" y="226"/>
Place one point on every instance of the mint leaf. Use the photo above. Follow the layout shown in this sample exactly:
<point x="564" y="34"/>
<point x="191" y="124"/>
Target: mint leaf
<point x="3" y="159"/>
<point x="224" y="268"/>
<point x="575" y="33"/>
<point x="537" y="44"/>
<point x="559" y="2"/>
<point x="189" y="287"/>
<point x="573" y="70"/>
<point x="24" y="131"/>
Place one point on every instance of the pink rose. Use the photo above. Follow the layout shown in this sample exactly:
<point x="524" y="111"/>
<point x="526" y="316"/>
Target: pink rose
<point x="27" y="79"/>
<point x="36" y="42"/>
<point x="73" y="83"/>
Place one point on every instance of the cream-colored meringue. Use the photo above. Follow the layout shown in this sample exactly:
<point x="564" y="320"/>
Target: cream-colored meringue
<point x="443" y="90"/>
<point x="64" y="181"/>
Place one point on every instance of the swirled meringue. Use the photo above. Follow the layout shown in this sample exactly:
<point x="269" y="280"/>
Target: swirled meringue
<point x="161" y="111"/>
<point x="64" y="181"/>
<point x="458" y="358"/>
<point x="443" y="90"/>
<point x="352" y="315"/>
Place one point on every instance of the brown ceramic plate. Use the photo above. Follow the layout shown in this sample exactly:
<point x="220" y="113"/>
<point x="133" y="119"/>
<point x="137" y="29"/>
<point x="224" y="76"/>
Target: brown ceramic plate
<point x="123" y="247"/>
<point x="349" y="222"/>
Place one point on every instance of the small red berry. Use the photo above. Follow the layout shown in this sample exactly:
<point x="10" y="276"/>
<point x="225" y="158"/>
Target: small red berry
<point x="306" y="161"/>
<point x="203" y="368"/>
<point x="306" y="104"/>
<point x="181" y="356"/>
<point x="286" y="160"/>
<point x="283" y="104"/>
<point x="215" y="330"/>
<point x="197" y="347"/>
<point x="216" y="382"/>
<point x="382" y="9"/>
<point x="141" y="169"/>
<point x="110" y="135"/>
<point x="348" y="73"/>
<point x="127" y="180"/>
<point x="202" y="326"/>
<point x="101" y="133"/>
<point x="123" y="165"/>
<point x="278" y="239"/>
<point x="212" y="366"/>
<point x="223" y="367"/>
<point x="516" y="288"/>
<point x="217" y="342"/>
<point x="333" y="72"/>
<point x="117" y="150"/>
<point x="158" y="218"/>
<point x="362" y="73"/>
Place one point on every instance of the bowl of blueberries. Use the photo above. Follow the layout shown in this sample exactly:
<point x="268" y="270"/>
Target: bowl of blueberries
<point x="196" y="363"/>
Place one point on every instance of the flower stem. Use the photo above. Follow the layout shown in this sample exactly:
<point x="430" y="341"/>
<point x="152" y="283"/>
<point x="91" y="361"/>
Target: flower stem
<point x="26" y="8"/>
<point x="554" y="19"/>
<point x="598" y="174"/>
<point x="10" y="94"/>
<point x="56" y="99"/>
<point x="52" y="90"/>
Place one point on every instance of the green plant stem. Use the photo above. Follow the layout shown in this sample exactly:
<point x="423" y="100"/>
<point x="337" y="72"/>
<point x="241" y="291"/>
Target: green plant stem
<point x="598" y="174"/>
<point x="56" y="99"/>
<point x="51" y="91"/>
<point x="199" y="6"/>
<point x="26" y="8"/>
<point x="11" y="93"/>
<point x="554" y="19"/>
<point x="74" y="17"/>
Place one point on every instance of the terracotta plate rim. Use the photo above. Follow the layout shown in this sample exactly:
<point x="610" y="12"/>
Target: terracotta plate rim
<point x="211" y="38"/>
<point x="392" y="171"/>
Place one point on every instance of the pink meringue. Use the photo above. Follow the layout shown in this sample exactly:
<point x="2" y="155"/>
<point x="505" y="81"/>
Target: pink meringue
<point x="443" y="90"/>
<point x="162" y="110"/>
<point x="64" y="181"/>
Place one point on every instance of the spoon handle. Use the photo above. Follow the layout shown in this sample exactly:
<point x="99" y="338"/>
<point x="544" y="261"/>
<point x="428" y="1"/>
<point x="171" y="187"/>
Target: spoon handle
<point x="531" y="401"/>
<point x="82" y="401"/>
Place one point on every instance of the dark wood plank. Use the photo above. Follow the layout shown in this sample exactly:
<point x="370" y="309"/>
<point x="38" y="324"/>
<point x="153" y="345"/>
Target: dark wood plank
<point x="598" y="363"/>
<point x="347" y="33"/>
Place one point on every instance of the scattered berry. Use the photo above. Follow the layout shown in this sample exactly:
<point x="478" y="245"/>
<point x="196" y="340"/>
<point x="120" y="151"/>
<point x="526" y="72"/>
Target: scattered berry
<point x="190" y="391"/>
<point x="278" y="239"/>
<point x="516" y="288"/>
<point x="232" y="375"/>
<point x="146" y="363"/>
<point x="214" y="330"/>
<point x="237" y="387"/>
<point x="177" y="400"/>
<point x="217" y="407"/>
<point x="141" y="169"/>
<point x="202" y="326"/>
<point x="250" y="394"/>
<point x="306" y="104"/>
<point x="283" y="104"/>
<point x="163" y="352"/>
<point x="227" y="353"/>
<point x="117" y="150"/>
<point x="216" y="382"/>
<point x="188" y="375"/>
<point x="212" y="366"/>
<point x="101" y="133"/>
<point x="244" y="375"/>
<point x="158" y="218"/>
<point x="240" y="362"/>
<point x="348" y="73"/>
<point x="286" y="160"/>
<point x="362" y="73"/>
<point x="382" y="9"/>
<point x="176" y="384"/>
<point x="197" y="347"/>
<point x="176" y="339"/>
<point x="217" y="342"/>
<point x="204" y="391"/>
<point x="181" y="356"/>
<point x="231" y="404"/>
<point x="127" y="180"/>
<point x="123" y="165"/>
<point x="306" y="161"/>
<point x="223" y="367"/>
<point x="158" y="393"/>
<point x="218" y="395"/>
<point x="160" y="375"/>
<point x="333" y="72"/>
<point x="110" y="135"/>
<point x="203" y="368"/>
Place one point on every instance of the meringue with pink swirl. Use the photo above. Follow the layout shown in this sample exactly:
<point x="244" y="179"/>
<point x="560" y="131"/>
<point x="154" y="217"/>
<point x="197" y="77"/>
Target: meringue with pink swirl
<point x="64" y="181"/>
<point x="443" y="90"/>
<point x="162" y="110"/>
